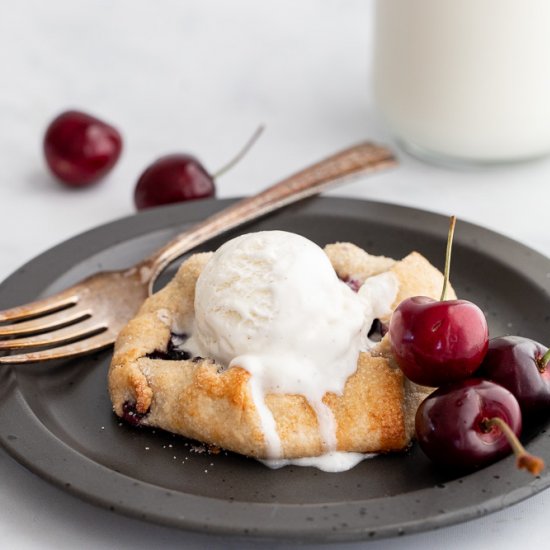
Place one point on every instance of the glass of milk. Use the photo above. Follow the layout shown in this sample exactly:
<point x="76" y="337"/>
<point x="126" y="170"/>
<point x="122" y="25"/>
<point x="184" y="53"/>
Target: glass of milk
<point x="465" y="81"/>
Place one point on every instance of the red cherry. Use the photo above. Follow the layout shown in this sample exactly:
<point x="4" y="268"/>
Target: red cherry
<point x="181" y="177"/>
<point x="80" y="149"/>
<point x="437" y="342"/>
<point x="520" y="365"/>
<point x="173" y="178"/>
<point x="472" y="423"/>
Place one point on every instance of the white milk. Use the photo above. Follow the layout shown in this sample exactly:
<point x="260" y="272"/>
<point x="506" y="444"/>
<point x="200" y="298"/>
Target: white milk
<point x="465" y="79"/>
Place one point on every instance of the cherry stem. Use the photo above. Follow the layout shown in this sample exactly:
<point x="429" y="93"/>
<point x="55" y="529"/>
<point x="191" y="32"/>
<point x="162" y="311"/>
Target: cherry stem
<point x="542" y="363"/>
<point x="251" y="141"/>
<point x="447" y="270"/>
<point x="524" y="460"/>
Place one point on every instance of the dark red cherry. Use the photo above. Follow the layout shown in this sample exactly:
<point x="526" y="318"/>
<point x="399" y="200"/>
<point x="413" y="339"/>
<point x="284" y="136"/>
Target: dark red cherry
<point x="454" y="427"/>
<point x="173" y="178"/>
<point x="181" y="177"/>
<point x="80" y="149"/>
<point x="519" y="364"/>
<point x="436" y="342"/>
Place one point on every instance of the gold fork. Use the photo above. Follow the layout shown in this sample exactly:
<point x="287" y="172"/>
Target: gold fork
<point x="89" y="315"/>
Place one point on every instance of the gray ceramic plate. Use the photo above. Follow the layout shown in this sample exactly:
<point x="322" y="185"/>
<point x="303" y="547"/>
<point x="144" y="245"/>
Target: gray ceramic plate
<point x="56" y="418"/>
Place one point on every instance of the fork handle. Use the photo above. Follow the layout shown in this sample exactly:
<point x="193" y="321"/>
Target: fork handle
<point x="340" y="167"/>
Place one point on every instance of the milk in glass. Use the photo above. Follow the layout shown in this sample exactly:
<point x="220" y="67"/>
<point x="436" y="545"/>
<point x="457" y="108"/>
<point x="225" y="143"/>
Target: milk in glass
<point x="465" y="80"/>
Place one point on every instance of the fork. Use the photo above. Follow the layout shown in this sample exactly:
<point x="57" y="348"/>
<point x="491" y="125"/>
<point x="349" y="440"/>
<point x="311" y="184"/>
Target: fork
<point x="89" y="315"/>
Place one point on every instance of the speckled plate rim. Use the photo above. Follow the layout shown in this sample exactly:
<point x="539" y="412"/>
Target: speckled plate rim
<point x="57" y="462"/>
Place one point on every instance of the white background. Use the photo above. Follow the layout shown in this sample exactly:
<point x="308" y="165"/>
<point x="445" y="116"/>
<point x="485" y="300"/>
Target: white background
<point x="199" y="76"/>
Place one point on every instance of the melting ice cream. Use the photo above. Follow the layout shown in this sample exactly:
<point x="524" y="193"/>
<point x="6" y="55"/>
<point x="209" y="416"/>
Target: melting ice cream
<point x="271" y="303"/>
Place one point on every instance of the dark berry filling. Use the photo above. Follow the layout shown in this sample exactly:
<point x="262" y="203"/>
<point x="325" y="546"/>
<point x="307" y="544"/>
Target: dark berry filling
<point x="130" y="414"/>
<point x="377" y="330"/>
<point x="354" y="284"/>
<point x="173" y="351"/>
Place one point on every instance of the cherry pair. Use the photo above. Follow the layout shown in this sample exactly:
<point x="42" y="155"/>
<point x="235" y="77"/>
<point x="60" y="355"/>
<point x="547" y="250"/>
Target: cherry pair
<point x="81" y="149"/>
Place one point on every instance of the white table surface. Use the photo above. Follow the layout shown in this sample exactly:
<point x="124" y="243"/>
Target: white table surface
<point x="199" y="76"/>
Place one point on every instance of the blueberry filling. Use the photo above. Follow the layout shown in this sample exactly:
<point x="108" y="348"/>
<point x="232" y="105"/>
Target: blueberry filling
<point x="173" y="351"/>
<point x="377" y="330"/>
<point x="130" y="414"/>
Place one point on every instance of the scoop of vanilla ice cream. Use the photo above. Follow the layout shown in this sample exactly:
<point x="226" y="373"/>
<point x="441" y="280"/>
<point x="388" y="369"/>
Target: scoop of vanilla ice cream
<point x="272" y="302"/>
